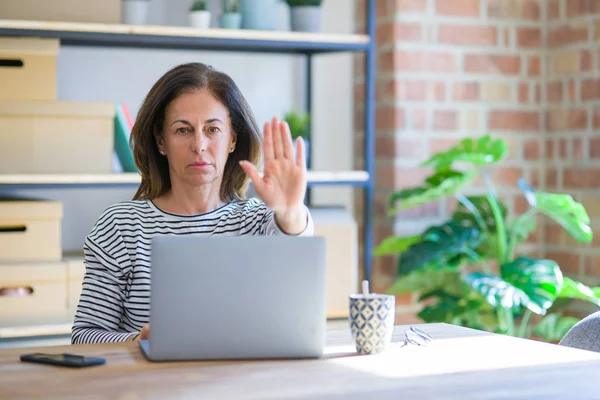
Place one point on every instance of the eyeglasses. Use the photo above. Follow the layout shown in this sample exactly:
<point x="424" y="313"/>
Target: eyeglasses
<point x="417" y="337"/>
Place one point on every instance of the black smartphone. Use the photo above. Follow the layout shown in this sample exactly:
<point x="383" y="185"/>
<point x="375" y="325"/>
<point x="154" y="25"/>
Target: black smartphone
<point x="65" y="360"/>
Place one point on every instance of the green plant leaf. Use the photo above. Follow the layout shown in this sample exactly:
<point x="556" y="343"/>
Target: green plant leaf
<point x="445" y="309"/>
<point x="439" y="185"/>
<point x="577" y="290"/>
<point x="563" y="209"/>
<point x="481" y="151"/>
<point x="553" y="327"/>
<point x="482" y="205"/>
<point x="428" y="280"/>
<point x="540" y="280"/>
<point x="497" y="292"/>
<point x="521" y="227"/>
<point x="440" y="246"/>
<point x="395" y="245"/>
<point x="299" y="124"/>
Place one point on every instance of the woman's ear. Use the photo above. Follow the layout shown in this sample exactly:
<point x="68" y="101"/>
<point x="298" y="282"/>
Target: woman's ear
<point x="232" y="142"/>
<point x="160" y="142"/>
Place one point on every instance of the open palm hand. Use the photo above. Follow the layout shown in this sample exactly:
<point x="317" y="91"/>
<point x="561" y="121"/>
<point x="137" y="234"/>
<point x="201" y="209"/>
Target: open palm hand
<point x="283" y="184"/>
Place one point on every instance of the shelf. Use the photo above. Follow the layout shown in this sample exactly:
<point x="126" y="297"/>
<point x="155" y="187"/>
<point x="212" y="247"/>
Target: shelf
<point x="172" y="37"/>
<point x="348" y="178"/>
<point x="32" y="331"/>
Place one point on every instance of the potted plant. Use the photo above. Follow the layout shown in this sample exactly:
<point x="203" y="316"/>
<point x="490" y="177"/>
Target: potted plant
<point x="305" y="15"/>
<point x="134" y="12"/>
<point x="231" y="17"/>
<point x="468" y="270"/>
<point x="199" y="16"/>
<point x="299" y="124"/>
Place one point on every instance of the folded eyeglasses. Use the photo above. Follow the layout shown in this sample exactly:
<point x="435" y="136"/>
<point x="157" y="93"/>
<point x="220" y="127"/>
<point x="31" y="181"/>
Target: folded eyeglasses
<point x="417" y="337"/>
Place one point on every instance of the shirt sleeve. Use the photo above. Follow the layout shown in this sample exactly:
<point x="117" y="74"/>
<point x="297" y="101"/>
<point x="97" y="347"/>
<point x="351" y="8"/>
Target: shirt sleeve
<point x="269" y="225"/>
<point x="100" y="307"/>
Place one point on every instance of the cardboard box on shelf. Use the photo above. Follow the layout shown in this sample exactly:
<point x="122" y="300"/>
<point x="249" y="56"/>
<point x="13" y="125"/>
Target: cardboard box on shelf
<point x="30" y="230"/>
<point x="75" y="273"/>
<point x="341" y="233"/>
<point x="95" y="11"/>
<point x="28" y="68"/>
<point x="56" y="137"/>
<point x="33" y="294"/>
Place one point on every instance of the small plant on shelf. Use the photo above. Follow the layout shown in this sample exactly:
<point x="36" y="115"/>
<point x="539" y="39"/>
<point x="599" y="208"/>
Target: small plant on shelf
<point x="301" y="3"/>
<point x="199" y="5"/>
<point x="299" y="124"/>
<point x="199" y="16"/>
<point x="468" y="270"/>
<point x="305" y="15"/>
<point x="231" y="6"/>
<point x="231" y="17"/>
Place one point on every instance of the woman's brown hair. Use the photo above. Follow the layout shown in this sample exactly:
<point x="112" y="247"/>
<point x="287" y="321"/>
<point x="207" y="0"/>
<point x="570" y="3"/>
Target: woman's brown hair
<point x="154" y="168"/>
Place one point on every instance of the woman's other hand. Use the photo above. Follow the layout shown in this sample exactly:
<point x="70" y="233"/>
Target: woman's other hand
<point x="144" y="333"/>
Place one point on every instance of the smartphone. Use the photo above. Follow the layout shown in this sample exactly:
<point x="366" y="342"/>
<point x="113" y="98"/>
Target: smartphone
<point x="65" y="360"/>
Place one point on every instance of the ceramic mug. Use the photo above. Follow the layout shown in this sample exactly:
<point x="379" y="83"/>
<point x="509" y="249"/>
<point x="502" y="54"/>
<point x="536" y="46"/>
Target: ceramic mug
<point x="372" y="319"/>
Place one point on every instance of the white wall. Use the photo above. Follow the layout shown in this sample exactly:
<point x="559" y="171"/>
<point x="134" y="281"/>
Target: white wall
<point x="272" y="84"/>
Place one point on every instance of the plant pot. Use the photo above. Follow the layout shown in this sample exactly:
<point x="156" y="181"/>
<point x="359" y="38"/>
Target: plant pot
<point x="134" y="12"/>
<point x="258" y="14"/>
<point x="305" y="18"/>
<point x="199" y="19"/>
<point x="231" y="20"/>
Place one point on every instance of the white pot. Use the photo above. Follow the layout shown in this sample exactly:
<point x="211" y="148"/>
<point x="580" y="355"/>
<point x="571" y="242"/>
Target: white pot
<point x="305" y="18"/>
<point x="134" y="12"/>
<point x="199" y="19"/>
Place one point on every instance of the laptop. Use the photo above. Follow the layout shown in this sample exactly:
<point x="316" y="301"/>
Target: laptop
<point x="242" y="297"/>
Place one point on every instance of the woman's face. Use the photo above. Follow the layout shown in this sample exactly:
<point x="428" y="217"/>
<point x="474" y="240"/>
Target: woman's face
<point x="197" y="139"/>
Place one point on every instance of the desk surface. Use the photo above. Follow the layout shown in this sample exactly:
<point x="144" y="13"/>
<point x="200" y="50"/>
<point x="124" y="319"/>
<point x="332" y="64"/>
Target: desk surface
<point x="459" y="364"/>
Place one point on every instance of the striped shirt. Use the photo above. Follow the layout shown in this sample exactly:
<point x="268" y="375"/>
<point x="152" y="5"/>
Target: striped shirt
<point x="115" y="297"/>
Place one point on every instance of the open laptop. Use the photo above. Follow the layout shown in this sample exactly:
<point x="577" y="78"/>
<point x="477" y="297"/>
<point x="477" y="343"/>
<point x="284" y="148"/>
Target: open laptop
<point x="242" y="297"/>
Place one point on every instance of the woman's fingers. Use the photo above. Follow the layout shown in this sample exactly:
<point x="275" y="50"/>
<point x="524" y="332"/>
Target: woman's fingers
<point x="277" y="142"/>
<point x="286" y="138"/>
<point x="300" y="157"/>
<point x="268" y="142"/>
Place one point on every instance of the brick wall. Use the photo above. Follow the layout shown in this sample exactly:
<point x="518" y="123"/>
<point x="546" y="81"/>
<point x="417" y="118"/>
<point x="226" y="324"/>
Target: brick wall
<point x="525" y="70"/>
<point x="572" y="147"/>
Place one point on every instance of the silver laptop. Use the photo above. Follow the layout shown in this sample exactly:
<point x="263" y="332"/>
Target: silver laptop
<point x="243" y="297"/>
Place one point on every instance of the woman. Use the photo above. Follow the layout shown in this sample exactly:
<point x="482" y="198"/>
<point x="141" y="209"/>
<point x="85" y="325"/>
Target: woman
<point x="196" y="144"/>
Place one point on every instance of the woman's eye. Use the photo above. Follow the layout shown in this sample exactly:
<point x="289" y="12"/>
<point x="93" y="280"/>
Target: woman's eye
<point x="214" y="129"/>
<point x="183" y="130"/>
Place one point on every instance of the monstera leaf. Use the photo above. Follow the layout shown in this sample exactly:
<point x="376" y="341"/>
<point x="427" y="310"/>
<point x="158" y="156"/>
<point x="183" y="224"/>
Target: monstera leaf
<point x="471" y="208"/>
<point x="440" y="246"/>
<point x="570" y="214"/>
<point x="496" y="291"/>
<point x="395" y="245"/>
<point x="520" y="228"/>
<point x="540" y="280"/>
<point x="445" y="309"/>
<point x="554" y="327"/>
<point x="481" y="151"/>
<point x="576" y="290"/>
<point x="439" y="185"/>
<point x="429" y="279"/>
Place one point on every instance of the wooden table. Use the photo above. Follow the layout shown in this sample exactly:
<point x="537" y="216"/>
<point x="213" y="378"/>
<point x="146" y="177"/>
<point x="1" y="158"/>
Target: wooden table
<point x="459" y="364"/>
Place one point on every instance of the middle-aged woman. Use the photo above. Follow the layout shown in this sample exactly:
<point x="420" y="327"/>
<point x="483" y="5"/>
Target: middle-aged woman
<point x="196" y="145"/>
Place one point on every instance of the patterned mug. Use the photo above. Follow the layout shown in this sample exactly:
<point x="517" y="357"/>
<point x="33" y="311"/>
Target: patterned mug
<point x="372" y="319"/>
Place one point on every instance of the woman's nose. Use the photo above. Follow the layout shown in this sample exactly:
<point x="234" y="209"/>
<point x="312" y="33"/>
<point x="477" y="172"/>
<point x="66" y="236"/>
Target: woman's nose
<point x="200" y="143"/>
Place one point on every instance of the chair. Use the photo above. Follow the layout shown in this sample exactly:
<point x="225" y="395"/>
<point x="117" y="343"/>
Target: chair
<point x="585" y="334"/>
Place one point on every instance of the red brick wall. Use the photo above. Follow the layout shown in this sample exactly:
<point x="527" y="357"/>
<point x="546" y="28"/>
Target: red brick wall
<point x="526" y="70"/>
<point x="572" y="146"/>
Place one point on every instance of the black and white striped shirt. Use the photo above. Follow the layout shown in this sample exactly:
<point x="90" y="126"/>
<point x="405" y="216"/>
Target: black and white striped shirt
<point x="115" y="295"/>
